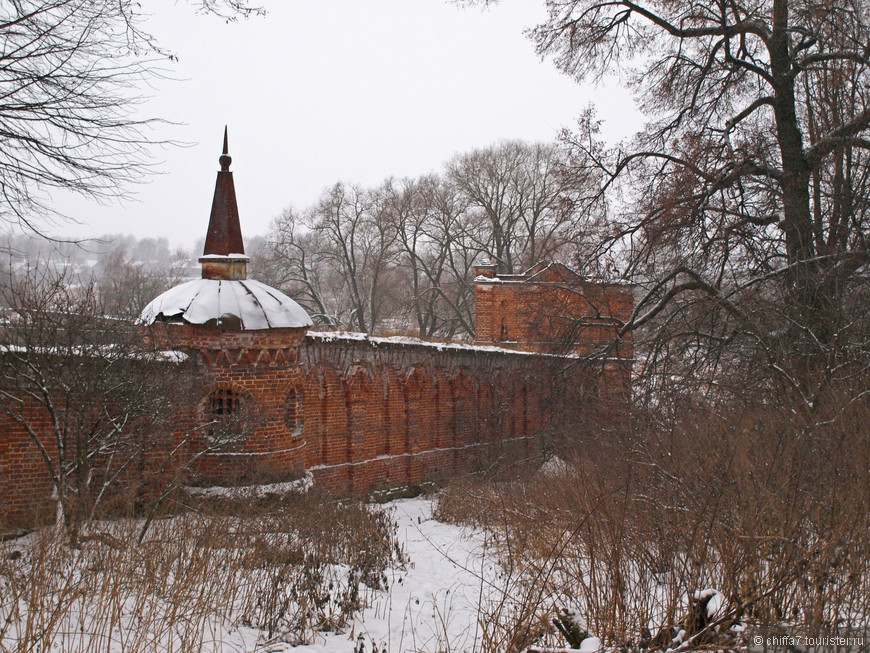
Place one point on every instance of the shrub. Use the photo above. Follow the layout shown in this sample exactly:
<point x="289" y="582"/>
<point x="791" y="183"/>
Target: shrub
<point x="292" y="570"/>
<point x="767" y="505"/>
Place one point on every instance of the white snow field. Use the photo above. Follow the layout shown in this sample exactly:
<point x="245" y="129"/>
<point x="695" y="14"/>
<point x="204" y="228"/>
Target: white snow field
<point x="432" y="605"/>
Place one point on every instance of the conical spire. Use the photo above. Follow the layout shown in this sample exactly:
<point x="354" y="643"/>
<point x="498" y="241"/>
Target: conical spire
<point x="224" y="254"/>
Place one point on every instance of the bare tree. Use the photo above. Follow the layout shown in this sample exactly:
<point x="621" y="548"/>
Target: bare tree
<point x="743" y="201"/>
<point x="291" y="258"/>
<point x="71" y="74"/>
<point x="524" y="205"/>
<point x="450" y="225"/>
<point x="428" y="215"/>
<point x="339" y="256"/>
<point x="404" y="253"/>
<point x="93" y="398"/>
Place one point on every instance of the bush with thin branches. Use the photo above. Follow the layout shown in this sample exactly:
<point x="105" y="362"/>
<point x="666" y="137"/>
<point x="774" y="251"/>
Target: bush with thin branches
<point x="196" y="580"/>
<point x="692" y="529"/>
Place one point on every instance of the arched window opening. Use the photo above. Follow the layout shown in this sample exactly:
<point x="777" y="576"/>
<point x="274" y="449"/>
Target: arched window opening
<point x="225" y="417"/>
<point x="225" y="403"/>
<point x="294" y="412"/>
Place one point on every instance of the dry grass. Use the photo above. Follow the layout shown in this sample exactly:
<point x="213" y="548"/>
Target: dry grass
<point x="195" y="580"/>
<point x="770" y="508"/>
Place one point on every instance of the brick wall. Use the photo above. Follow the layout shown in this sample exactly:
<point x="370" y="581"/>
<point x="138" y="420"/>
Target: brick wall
<point x="25" y="486"/>
<point x="551" y="309"/>
<point x="394" y="411"/>
<point x="371" y="413"/>
<point x="362" y="413"/>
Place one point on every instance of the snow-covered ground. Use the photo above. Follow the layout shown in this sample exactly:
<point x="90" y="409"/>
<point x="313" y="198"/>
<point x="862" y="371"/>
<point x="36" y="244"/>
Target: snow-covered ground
<point x="430" y="605"/>
<point x="432" y="602"/>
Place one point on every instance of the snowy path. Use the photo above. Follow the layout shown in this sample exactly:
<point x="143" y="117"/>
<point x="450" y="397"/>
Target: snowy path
<point x="430" y="603"/>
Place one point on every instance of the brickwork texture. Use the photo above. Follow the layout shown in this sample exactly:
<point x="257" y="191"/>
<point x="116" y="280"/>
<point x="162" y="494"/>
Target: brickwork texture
<point x="363" y="414"/>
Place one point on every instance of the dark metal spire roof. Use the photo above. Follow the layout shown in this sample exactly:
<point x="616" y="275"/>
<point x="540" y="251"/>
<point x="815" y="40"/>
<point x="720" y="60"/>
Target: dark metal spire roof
<point x="224" y="235"/>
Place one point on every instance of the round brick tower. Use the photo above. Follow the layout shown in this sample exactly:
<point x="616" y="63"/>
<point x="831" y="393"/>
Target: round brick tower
<point x="248" y="423"/>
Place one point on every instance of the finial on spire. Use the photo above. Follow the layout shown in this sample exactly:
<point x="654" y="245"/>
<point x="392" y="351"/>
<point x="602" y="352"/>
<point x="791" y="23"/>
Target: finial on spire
<point x="225" y="159"/>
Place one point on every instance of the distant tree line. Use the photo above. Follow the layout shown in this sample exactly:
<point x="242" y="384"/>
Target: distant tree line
<point x="400" y="256"/>
<point x="122" y="273"/>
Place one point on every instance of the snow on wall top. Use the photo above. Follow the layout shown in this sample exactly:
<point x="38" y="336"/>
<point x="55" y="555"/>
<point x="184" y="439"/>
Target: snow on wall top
<point x="242" y="304"/>
<point x="374" y="341"/>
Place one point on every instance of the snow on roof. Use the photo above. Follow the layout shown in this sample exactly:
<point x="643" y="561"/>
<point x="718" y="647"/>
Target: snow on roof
<point x="224" y="257"/>
<point x="245" y="304"/>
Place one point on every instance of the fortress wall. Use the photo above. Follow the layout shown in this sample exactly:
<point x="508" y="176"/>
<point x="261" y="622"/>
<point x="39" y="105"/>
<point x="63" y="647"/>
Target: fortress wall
<point x="413" y="411"/>
<point x="360" y="413"/>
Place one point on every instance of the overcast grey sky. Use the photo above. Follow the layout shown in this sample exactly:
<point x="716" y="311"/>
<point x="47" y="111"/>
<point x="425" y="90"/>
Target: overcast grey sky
<point x="320" y="91"/>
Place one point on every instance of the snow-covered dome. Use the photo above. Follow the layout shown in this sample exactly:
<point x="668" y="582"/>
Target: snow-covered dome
<point x="241" y="304"/>
<point x="225" y="297"/>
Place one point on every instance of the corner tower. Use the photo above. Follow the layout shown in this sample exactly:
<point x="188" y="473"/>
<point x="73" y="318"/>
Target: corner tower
<point x="249" y="418"/>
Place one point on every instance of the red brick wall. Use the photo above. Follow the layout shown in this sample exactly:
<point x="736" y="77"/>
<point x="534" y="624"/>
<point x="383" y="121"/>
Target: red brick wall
<point x="25" y="486"/>
<point x="552" y="310"/>
<point x="413" y="412"/>
<point x="263" y="368"/>
<point x="378" y="412"/>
